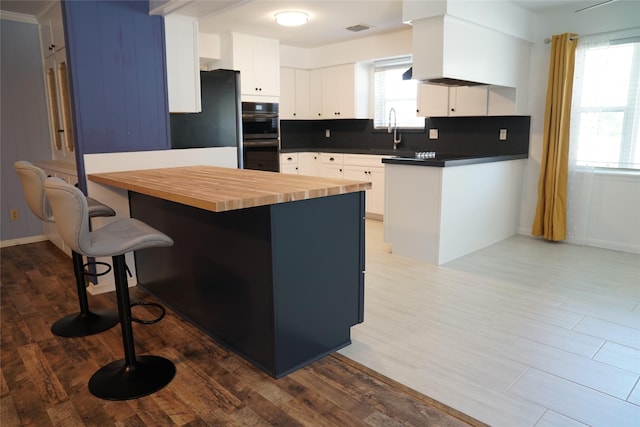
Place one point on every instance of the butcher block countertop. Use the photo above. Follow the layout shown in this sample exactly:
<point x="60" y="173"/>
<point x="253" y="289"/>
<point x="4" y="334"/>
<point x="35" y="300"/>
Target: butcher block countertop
<point x="220" y="189"/>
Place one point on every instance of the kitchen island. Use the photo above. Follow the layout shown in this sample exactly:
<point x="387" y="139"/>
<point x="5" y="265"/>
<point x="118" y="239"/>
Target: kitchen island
<point x="270" y="265"/>
<point x="439" y="209"/>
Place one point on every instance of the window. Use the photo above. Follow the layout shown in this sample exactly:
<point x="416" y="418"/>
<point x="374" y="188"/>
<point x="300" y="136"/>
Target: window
<point x="390" y="91"/>
<point x="605" y="114"/>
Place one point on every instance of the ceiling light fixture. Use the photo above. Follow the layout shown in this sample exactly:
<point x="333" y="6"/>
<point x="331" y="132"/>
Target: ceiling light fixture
<point x="291" y="18"/>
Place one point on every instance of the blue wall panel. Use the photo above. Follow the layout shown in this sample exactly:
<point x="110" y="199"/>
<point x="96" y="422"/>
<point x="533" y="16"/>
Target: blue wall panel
<point x="118" y="77"/>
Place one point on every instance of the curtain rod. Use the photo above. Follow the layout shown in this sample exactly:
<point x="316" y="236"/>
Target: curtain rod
<point x="547" y="41"/>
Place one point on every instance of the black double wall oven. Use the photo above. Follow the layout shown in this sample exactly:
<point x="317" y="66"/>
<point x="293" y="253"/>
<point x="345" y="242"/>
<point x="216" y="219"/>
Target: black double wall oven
<point x="260" y="141"/>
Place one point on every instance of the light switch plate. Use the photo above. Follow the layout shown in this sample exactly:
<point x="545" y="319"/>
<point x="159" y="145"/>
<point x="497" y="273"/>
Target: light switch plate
<point x="503" y="134"/>
<point x="433" y="133"/>
<point x="327" y="133"/>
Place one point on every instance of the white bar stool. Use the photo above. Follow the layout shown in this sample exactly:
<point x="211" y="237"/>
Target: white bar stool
<point x="86" y="322"/>
<point x="134" y="376"/>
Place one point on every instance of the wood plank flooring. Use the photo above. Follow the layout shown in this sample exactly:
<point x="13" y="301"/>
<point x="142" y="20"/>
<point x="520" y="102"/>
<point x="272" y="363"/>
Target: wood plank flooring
<point x="43" y="378"/>
<point x="523" y="333"/>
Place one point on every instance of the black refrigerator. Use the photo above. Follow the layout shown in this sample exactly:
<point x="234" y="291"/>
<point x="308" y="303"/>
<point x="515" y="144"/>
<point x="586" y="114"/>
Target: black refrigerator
<point x="219" y="124"/>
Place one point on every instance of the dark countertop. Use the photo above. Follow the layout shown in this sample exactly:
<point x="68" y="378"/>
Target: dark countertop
<point x="444" y="160"/>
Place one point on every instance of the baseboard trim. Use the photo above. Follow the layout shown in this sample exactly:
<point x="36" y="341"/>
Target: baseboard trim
<point x="22" y="241"/>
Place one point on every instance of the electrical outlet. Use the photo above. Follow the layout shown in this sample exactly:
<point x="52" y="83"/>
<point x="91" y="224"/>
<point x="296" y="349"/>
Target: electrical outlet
<point x="327" y="133"/>
<point x="503" y="134"/>
<point x="433" y="133"/>
<point x="14" y="214"/>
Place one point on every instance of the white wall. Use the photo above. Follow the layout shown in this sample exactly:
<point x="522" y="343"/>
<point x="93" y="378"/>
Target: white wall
<point x="615" y="205"/>
<point x="389" y="45"/>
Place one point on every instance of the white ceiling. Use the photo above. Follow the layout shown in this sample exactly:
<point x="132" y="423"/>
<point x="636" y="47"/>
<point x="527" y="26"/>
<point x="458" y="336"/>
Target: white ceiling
<point x="328" y="19"/>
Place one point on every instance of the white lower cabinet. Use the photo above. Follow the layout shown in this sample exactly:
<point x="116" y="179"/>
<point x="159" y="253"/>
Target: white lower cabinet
<point x="289" y="163"/>
<point x="309" y="163"/>
<point x="331" y="165"/>
<point x="368" y="168"/>
<point x="357" y="167"/>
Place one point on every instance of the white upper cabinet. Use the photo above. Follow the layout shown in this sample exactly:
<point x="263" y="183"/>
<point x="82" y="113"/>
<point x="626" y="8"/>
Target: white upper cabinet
<point x="52" y="31"/>
<point x="183" y="64"/>
<point x="433" y="100"/>
<point x="258" y="60"/>
<point x="315" y="94"/>
<point x="56" y="77"/>
<point x="340" y="92"/>
<point x="294" y="93"/>
<point x="468" y="101"/>
<point x="442" y="101"/>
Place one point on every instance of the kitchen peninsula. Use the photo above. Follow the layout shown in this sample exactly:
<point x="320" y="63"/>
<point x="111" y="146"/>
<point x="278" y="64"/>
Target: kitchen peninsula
<point x="270" y="265"/>
<point x="440" y="209"/>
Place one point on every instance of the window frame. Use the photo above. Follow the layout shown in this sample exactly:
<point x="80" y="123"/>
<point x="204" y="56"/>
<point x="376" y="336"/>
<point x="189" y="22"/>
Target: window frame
<point x="630" y="127"/>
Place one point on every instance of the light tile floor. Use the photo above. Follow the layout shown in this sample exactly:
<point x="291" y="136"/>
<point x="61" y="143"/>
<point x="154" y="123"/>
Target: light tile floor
<point x="523" y="333"/>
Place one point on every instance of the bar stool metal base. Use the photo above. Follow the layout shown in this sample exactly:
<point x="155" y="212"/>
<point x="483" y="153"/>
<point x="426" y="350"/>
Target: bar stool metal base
<point x="117" y="381"/>
<point x="85" y="324"/>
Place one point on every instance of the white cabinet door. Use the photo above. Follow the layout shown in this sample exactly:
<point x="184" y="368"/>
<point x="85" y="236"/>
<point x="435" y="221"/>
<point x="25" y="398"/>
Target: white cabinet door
<point x="287" y="93"/>
<point x="433" y="100"/>
<point x="258" y="60"/>
<point x="442" y="101"/>
<point x="183" y="64"/>
<point x="59" y="105"/>
<point x="266" y="66"/>
<point x="294" y="93"/>
<point x="468" y="101"/>
<point x="52" y="31"/>
<point x="368" y="168"/>
<point x="340" y="92"/>
<point x="309" y="163"/>
<point x="289" y="163"/>
<point x="331" y="165"/>
<point x="315" y="94"/>
<point x="333" y="87"/>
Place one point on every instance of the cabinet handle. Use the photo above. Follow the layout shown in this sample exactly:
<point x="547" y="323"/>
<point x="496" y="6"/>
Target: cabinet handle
<point x="60" y="130"/>
<point x="331" y="159"/>
<point x="294" y="114"/>
<point x="453" y="109"/>
<point x="289" y="158"/>
<point x="319" y="114"/>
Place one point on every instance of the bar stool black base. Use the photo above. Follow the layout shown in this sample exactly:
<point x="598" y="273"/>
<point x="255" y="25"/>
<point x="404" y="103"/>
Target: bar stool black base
<point x="83" y="325"/>
<point x="116" y="381"/>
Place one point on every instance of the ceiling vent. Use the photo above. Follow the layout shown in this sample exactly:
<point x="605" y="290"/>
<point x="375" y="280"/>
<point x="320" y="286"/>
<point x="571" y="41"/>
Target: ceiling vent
<point x="359" y="27"/>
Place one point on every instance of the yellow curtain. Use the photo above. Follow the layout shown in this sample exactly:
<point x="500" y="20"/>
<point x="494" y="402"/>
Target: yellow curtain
<point x="551" y="213"/>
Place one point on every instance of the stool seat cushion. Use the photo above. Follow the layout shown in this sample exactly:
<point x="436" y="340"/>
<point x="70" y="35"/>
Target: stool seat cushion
<point x="99" y="209"/>
<point x="71" y="209"/>
<point x="125" y="235"/>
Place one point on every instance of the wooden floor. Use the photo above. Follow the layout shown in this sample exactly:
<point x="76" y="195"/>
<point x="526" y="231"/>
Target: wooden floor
<point x="43" y="378"/>
<point x="523" y="333"/>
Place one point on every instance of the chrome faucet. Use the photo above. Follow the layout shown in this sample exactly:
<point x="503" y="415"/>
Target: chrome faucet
<point x="396" y="137"/>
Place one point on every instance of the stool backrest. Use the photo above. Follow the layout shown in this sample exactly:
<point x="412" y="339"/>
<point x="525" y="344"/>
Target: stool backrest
<point x="69" y="206"/>
<point x="32" y="179"/>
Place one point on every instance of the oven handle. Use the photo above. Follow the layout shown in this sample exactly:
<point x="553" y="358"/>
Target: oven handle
<point x="258" y="116"/>
<point x="260" y="143"/>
